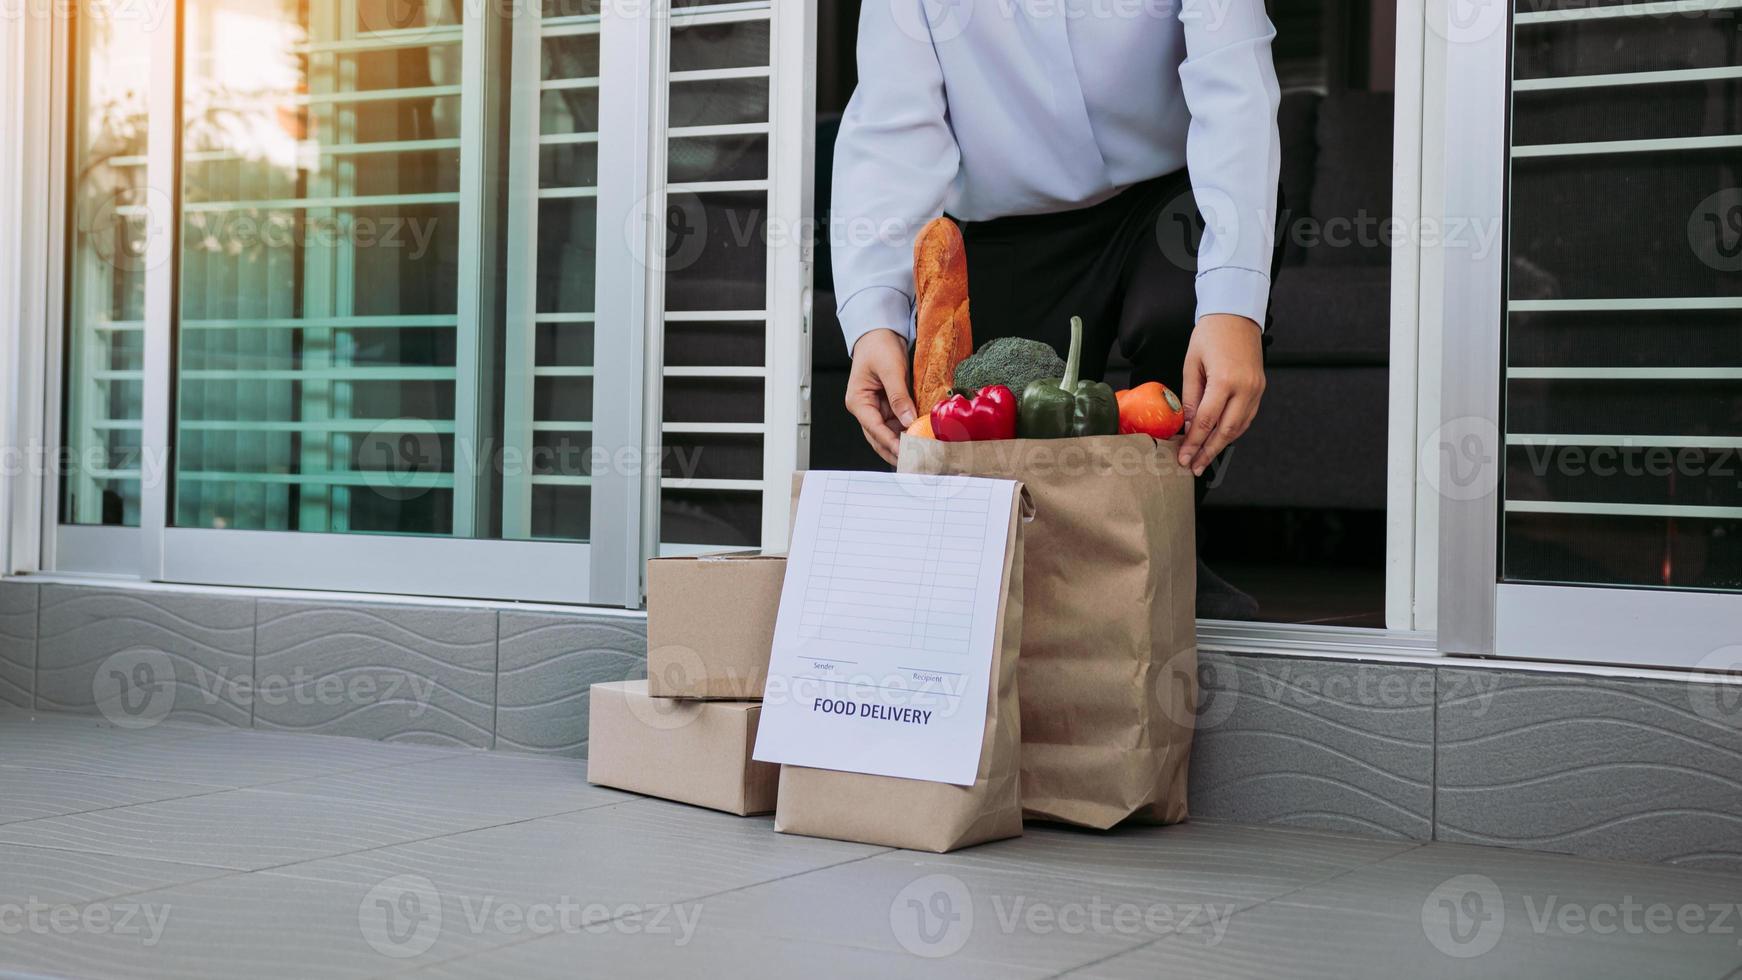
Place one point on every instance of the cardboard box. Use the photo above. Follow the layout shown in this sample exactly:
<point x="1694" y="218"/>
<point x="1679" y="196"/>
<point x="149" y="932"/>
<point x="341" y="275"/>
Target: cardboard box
<point x="710" y="624"/>
<point x="689" y="751"/>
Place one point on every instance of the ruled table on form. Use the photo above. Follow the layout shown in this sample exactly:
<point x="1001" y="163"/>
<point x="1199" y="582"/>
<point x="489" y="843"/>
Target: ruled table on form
<point x="897" y="565"/>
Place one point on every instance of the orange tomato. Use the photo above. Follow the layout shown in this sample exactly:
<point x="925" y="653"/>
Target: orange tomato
<point x="1151" y="409"/>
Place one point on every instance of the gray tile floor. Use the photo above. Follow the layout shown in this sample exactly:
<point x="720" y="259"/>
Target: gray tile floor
<point x="189" y="851"/>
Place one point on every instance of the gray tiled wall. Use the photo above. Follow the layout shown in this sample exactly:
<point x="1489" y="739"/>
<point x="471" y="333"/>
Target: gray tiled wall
<point x="400" y="673"/>
<point x="201" y="644"/>
<point x="17" y="643"/>
<point x="1315" y="743"/>
<point x="1600" y="766"/>
<point x="1641" y="769"/>
<point x="547" y="663"/>
<point x="419" y="673"/>
<point x="1616" y="767"/>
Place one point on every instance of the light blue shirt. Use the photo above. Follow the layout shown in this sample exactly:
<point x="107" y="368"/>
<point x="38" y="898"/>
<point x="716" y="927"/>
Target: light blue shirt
<point x="989" y="108"/>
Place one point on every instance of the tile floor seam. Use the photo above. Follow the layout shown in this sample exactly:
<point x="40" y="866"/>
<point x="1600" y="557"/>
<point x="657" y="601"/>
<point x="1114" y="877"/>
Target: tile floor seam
<point x="496" y="686"/>
<point x="1244" y="909"/>
<point x="604" y="922"/>
<point x="253" y="661"/>
<point x="139" y="893"/>
<point x="129" y="857"/>
<point x="214" y="789"/>
<point x="1433" y="794"/>
<point x="425" y="840"/>
<point x="36" y="652"/>
<point x="276" y="867"/>
<point x="104" y="809"/>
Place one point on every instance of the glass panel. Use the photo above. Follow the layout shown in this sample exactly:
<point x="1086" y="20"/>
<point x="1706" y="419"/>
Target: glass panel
<point x="1626" y="407"/>
<point x="718" y="158"/>
<point x="113" y="217"/>
<point x="706" y="47"/>
<point x="316" y="359"/>
<point x="730" y="344"/>
<point x="1622" y="414"/>
<point x="714" y="400"/>
<point x="722" y="519"/>
<point x="714" y="403"/>
<point x="570" y="56"/>
<point x="566" y="254"/>
<point x="550" y="414"/>
<point x="1663" y="338"/>
<point x="719" y="103"/>
<point x="1620" y="474"/>
<point x="1640" y="552"/>
<point x="1620" y="225"/>
<point x="1691" y="39"/>
<point x="1628" y="112"/>
<point x="716" y="251"/>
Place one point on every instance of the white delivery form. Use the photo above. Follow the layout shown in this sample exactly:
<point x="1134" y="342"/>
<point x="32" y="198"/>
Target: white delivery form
<point x="888" y="616"/>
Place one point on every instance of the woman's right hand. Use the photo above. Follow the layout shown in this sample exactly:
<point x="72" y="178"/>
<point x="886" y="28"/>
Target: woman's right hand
<point x="877" y="391"/>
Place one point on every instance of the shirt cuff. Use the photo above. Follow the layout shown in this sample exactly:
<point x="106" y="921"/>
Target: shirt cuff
<point x="1231" y="289"/>
<point x="876" y="308"/>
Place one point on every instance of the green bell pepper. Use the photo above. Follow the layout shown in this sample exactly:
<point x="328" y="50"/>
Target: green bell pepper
<point x="1055" y="408"/>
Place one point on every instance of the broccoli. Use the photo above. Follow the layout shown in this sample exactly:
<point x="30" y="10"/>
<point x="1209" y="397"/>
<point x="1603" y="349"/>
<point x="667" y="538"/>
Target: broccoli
<point x="1009" y="361"/>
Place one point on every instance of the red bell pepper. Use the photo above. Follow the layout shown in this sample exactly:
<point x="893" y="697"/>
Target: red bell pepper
<point x="989" y="415"/>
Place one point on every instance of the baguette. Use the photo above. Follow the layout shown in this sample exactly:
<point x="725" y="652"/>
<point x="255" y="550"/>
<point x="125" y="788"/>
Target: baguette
<point x="944" y="336"/>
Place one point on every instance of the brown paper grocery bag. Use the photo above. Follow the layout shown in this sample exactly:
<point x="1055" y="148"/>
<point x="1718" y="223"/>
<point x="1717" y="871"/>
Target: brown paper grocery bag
<point x="1109" y="634"/>
<point x="913" y="813"/>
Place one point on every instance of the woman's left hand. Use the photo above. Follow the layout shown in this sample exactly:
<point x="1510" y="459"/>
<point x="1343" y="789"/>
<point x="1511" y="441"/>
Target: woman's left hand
<point x="1224" y="381"/>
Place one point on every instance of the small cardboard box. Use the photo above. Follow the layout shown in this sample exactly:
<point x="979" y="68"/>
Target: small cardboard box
<point x="689" y="751"/>
<point x="710" y="624"/>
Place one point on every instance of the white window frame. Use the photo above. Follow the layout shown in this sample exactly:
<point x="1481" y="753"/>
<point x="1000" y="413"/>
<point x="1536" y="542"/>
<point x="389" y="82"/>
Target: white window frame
<point x="606" y="570"/>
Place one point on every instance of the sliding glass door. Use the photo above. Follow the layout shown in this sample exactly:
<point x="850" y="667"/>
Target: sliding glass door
<point x="1617" y="504"/>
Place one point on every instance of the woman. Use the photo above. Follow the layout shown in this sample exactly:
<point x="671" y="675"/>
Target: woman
<point x="1075" y="140"/>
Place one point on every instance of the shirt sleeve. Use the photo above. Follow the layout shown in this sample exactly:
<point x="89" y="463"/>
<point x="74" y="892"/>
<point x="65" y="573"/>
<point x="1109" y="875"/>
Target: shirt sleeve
<point x="895" y="161"/>
<point x="1233" y="151"/>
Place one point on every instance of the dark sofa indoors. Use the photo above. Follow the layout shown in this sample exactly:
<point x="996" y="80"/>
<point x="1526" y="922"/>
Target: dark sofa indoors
<point x="1319" y="441"/>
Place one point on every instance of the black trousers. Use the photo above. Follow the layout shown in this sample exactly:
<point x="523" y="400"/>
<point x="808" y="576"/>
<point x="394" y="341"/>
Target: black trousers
<point x="1127" y="266"/>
